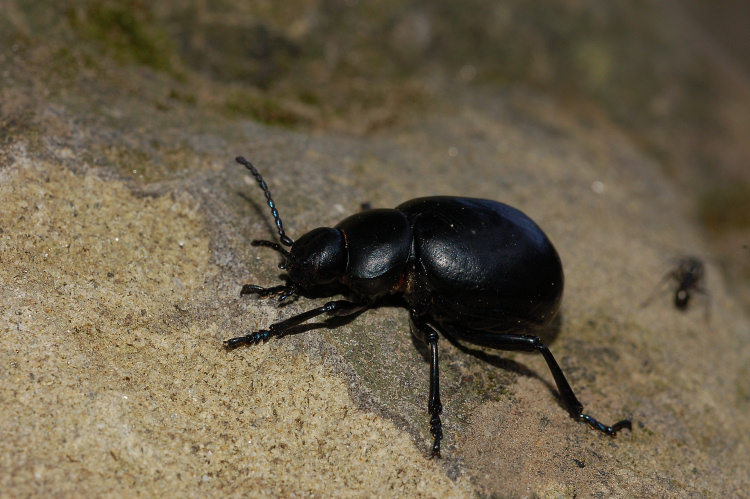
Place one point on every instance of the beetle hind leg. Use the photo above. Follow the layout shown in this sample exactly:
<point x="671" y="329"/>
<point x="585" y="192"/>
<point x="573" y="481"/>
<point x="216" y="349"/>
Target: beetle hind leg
<point x="528" y="343"/>
<point x="575" y="408"/>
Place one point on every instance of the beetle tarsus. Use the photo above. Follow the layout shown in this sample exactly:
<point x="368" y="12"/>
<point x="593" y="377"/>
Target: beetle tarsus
<point x="625" y="423"/>
<point x="607" y="430"/>
<point x="435" y="407"/>
<point x="436" y="426"/>
<point x="436" y="430"/>
<point x="248" y="339"/>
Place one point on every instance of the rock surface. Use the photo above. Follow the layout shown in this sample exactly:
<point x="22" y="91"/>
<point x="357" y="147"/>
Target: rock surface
<point x="124" y="236"/>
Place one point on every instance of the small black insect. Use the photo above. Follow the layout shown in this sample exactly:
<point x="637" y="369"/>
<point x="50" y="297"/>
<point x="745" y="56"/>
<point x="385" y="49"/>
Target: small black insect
<point x="690" y="275"/>
<point x="472" y="269"/>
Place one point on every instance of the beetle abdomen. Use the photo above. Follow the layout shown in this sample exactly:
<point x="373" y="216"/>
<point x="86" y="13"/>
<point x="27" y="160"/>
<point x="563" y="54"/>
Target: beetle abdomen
<point x="484" y="264"/>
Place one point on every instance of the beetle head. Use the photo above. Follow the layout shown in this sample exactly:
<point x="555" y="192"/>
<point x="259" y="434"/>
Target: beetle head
<point x="318" y="257"/>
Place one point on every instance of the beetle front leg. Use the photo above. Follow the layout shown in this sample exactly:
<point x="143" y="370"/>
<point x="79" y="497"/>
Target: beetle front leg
<point x="332" y="308"/>
<point x="428" y="335"/>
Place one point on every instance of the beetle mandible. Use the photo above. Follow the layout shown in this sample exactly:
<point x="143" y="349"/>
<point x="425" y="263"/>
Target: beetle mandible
<point x="474" y="270"/>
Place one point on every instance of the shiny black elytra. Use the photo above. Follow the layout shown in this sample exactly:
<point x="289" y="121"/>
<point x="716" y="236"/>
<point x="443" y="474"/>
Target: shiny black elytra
<point x="472" y="269"/>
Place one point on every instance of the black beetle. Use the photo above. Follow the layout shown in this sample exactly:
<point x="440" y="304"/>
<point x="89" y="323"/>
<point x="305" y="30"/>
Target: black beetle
<point x="473" y="269"/>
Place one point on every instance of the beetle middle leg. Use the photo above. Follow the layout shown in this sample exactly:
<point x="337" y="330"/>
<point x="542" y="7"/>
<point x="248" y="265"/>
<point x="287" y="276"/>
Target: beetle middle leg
<point x="528" y="343"/>
<point x="332" y="308"/>
<point x="427" y="334"/>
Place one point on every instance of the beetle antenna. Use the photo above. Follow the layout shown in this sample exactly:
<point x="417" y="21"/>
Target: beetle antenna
<point x="285" y="240"/>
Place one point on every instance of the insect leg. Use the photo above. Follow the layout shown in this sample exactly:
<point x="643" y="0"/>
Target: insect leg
<point x="527" y="343"/>
<point x="428" y="335"/>
<point x="332" y="308"/>
<point x="575" y="408"/>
